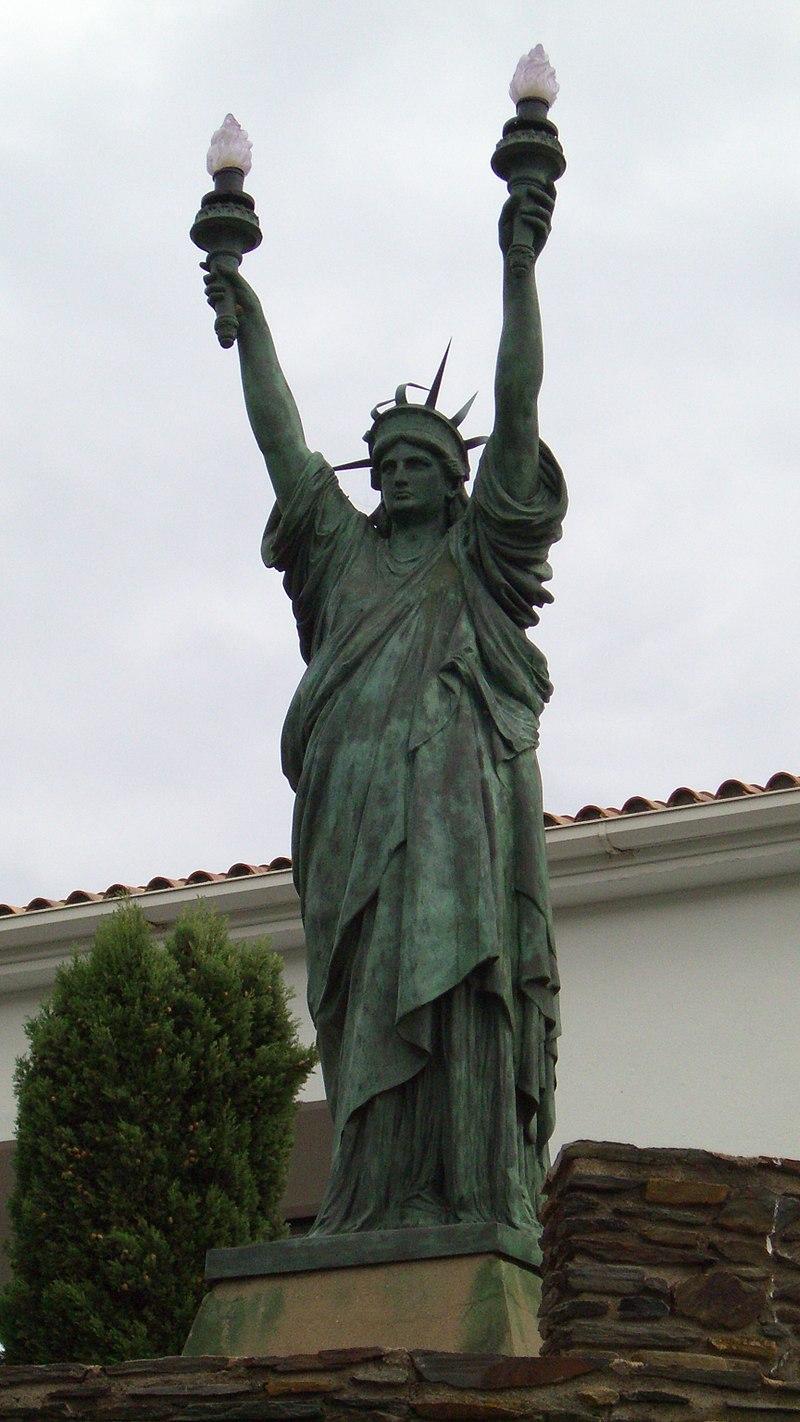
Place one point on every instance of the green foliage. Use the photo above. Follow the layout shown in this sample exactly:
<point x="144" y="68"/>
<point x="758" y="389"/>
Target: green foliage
<point x="155" y="1112"/>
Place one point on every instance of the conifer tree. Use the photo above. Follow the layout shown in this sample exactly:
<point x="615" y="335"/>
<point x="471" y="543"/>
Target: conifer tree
<point x="155" y="1112"/>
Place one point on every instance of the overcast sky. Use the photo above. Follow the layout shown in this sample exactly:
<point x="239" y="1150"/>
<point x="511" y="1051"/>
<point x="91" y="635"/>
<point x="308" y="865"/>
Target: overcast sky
<point x="147" y="658"/>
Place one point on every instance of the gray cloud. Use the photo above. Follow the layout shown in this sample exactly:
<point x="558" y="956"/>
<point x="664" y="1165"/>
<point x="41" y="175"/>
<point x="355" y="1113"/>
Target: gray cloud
<point x="148" y="657"/>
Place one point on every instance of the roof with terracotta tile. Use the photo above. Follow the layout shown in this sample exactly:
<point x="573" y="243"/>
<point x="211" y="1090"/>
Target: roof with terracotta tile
<point x="635" y="805"/>
<point x="159" y="881"/>
<point x="684" y="795"/>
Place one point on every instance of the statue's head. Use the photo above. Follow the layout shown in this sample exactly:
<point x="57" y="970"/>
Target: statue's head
<point x="422" y="425"/>
<point x="419" y="481"/>
<point x="417" y="425"/>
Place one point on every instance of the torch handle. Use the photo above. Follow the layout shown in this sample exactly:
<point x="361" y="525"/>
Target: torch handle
<point x="226" y="324"/>
<point x="521" y="250"/>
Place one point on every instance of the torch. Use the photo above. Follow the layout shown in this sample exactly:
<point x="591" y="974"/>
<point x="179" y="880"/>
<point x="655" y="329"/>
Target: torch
<point x="226" y="225"/>
<point x="529" y="154"/>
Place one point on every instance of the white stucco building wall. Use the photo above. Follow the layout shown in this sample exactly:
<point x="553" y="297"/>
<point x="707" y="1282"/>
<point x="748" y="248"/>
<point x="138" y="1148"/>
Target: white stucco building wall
<point x="679" y="947"/>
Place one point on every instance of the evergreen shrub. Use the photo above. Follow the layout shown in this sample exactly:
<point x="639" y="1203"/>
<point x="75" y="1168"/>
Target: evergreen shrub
<point x="155" y="1114"/>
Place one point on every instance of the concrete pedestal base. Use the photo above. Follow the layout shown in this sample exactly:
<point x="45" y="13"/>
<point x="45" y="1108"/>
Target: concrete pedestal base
<point x="459" y="1289"/>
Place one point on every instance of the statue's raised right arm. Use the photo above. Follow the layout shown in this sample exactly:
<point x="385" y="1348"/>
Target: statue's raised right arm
<point x="271" y="408"/>
<point x="520" y="359"/>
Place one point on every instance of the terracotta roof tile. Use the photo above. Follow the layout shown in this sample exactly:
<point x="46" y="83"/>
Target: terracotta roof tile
<point x="731" y="789"/>
<point x="593" y="812"/>
<point x="637" y="804"/>
<point x="120" y="891"/>
<point x="783" y="780"/>
<point x="684" y="795"/>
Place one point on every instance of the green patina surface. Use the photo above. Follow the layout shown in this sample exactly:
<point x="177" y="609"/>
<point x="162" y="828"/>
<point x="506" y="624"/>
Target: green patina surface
<point x="418" y="845"/>
<point x="367" y="1247"/>
<point x="502" y="1316"/>
<point x="236" y="1323"/>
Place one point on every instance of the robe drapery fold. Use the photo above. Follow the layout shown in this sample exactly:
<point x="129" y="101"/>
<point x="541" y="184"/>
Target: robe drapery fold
<point x="418" y="849"/>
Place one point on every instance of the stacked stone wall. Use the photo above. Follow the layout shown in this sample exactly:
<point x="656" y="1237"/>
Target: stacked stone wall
<point x="370" y="1383"/>
<point x="673" y="1252"/>
<point x="671" y="1293"/>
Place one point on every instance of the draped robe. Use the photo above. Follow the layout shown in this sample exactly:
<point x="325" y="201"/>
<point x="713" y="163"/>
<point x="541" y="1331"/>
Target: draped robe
<point x="418" y="849"/>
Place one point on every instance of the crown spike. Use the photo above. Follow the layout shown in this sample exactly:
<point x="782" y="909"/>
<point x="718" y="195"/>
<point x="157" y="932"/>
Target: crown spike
<point x="430" y="403"/>
<point x="464" y="411"/>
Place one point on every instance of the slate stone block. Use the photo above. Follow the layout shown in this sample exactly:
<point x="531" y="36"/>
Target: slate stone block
<point x="752" y="1213"/>
<point x="603" y="1279"/>
<point x="761" y="1350"/>
<point x="485" y="1373"/>
<point x="381" y="1374"/>
<point x="702" y="1368"/>
<point x="619" y="1337"/>
<point x="325" y="1359"/>
<point x="659" y="1396"/>
<point x="643" y="1306"/>
<point x="601" y="1183"/>
<point x="741" y="1249"/>
<point x="578" y="1308"/>
<point x="155" y="1366"/>
<point x="665" y="1191"/>
<point x="42" y="1372"/>
<point x="281" y="1384"/>
<point x="718" y="1299"/>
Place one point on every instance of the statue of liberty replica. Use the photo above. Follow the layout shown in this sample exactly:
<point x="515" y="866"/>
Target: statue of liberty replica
<point x="410" y="743"/>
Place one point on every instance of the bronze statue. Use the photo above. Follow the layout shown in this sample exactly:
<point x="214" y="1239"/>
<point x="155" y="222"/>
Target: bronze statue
<point x="418" y="844"/>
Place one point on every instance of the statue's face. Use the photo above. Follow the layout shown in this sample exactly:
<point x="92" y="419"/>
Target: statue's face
<point x="414" y="485"/>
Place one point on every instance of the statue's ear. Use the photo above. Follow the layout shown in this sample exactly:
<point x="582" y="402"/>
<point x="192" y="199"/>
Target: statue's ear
<point x="381" y="521"/>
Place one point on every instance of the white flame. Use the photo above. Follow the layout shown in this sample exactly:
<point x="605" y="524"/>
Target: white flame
<point x="230" y="148"/>
<point x="534" y="78"/>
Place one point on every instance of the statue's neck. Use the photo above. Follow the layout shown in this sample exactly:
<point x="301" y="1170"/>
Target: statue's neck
<point x="408" y="541"/>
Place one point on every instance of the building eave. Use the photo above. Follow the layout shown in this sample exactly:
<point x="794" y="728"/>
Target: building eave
<point x="683" y="848"/>
<point x="33" y="945"/>
<point x="670" y="850"/>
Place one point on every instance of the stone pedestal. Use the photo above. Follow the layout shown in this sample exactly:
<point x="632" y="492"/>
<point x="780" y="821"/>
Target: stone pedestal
<point x="460" y="1288"/>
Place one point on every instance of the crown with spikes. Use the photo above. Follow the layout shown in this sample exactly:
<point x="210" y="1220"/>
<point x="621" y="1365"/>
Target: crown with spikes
<point x="403" y="419"/>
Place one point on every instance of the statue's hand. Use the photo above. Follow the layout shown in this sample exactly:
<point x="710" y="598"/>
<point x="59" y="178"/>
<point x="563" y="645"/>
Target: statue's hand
<point x="526" y="217"/>
<point x="221" y="277"/>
